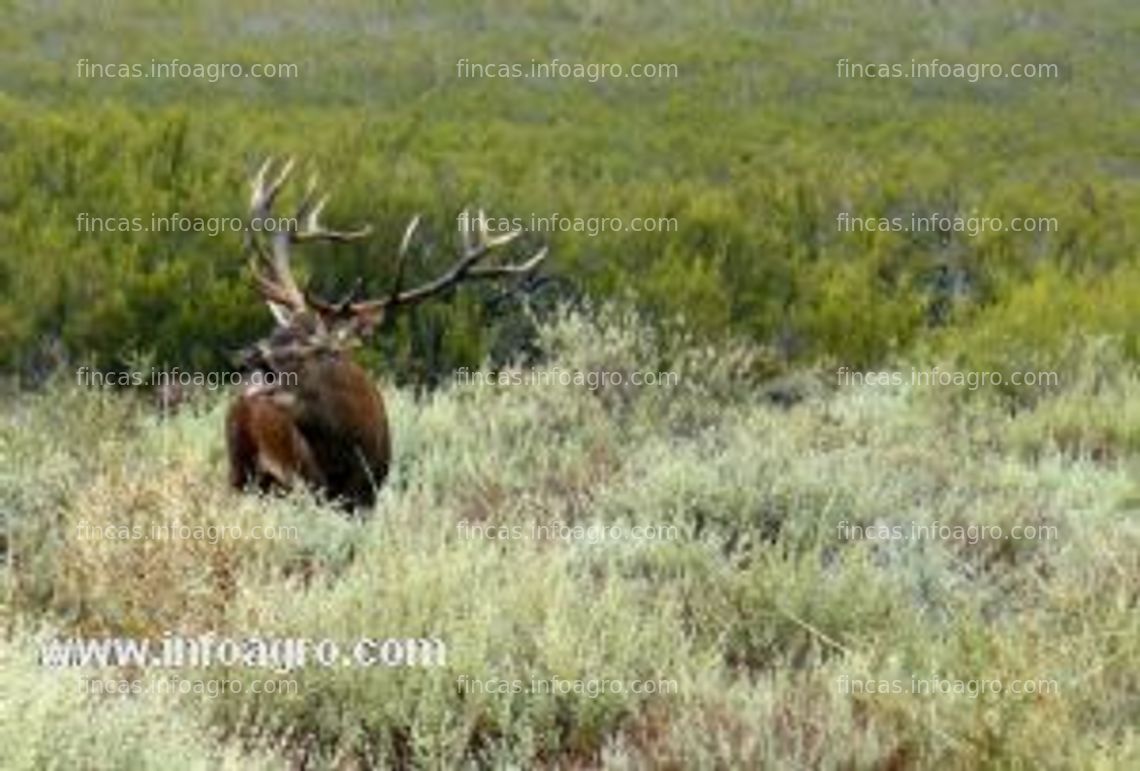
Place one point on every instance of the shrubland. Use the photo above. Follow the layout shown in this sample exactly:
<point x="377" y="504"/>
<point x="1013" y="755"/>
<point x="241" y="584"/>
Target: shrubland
<point x="381" y="107"/>
<point x="771" y="475"/>
<point x="759" y="593"/>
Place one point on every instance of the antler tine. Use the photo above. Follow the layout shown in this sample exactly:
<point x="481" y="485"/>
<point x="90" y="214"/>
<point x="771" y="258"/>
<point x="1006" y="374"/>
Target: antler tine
<point x="283" y="274"/>
<point x="281" y="302"/>
<point x="270" y="265"/>
<point x="402" y="257"/>
<point x="271" y="272"/>
<point x="473" y="252"/>
<point x="259" y="202"/>
<point x="306" y="204"/>
<point x="309" y="221"/>
<point x="409" y="231"/>
<point x="465" y="231"/>
<point x="510" y="270"/>
<point x="263" y="196"/>
<point x="487" y="242"/>
<point x="463" y="269"/>
<point x="257" y="184"/>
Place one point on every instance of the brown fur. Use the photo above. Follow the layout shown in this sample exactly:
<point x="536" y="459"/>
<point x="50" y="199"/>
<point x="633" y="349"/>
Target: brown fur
<point x="327" y="430"/>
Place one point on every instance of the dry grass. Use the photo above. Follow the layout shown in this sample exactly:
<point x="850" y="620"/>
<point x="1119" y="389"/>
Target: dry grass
<point x="756" y="609"/>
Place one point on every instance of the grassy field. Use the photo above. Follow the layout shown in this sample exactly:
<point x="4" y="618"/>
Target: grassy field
<point x="756" y="603"/>
<point x="753" y="573"/>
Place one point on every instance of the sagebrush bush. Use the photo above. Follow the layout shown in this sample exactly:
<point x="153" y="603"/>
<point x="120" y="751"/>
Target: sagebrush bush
<point x="756" y="595"/>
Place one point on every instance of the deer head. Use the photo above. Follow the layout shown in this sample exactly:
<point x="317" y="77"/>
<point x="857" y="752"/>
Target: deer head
<point x="312" y="415"/>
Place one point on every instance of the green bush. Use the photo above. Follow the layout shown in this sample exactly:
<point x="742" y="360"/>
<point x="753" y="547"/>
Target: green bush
<point x="753" y="158"/>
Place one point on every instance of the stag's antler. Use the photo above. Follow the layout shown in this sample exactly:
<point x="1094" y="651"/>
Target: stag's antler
<point x="275" y="281"/>
<point x="465" y="268"/>
<point x="270" y="267"/>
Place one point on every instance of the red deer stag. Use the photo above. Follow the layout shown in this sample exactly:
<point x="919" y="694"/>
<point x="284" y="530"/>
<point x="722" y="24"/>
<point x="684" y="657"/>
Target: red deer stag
<point x="322" y="422"/>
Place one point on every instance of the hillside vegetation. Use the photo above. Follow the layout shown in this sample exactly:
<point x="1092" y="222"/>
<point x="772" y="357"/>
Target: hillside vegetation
<point x="818" y="533"/>
<point x="754" y="148"/>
